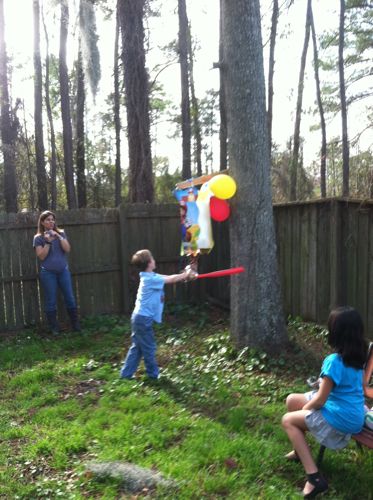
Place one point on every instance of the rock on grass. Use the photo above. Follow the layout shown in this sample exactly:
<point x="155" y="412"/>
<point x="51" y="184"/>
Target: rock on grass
<point x="134" y="478"/>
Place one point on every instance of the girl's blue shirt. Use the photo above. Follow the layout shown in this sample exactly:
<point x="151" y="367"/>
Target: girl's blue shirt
<point x="344" y="408"/>
<point x="150" y="296"/>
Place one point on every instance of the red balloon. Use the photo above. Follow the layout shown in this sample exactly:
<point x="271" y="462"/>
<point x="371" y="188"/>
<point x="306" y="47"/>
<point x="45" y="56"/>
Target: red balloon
<point x="219" y="209"/>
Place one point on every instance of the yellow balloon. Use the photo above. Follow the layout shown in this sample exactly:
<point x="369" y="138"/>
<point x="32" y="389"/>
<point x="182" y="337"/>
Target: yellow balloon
<point x="223" y="186"/>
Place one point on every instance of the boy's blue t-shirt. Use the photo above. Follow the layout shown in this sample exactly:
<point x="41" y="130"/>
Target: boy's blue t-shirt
<point x="344" y="408"/>
<point x="56" y="260"/>
<point x="150" y="296"/>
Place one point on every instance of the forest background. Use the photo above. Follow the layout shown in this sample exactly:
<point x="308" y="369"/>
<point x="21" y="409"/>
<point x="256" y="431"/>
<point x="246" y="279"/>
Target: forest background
<point x="94" y="50"/>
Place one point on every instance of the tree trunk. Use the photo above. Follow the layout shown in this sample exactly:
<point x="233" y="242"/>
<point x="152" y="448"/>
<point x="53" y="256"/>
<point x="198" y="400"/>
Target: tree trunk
<point x="118" y="173"/>
<point x="185" y="102"/>
<point x="223" y="137"/>
<point x="342" y="92"/>
<point x="30" y="166"/>
<point x="136" y="82"/>
<point x="65" y="109"/>
<point x="80" y="141"/>
<point x="195" y="109"/>
<point x="321" y="110"/>
<point x="271" y="70"/>
<point x="53" y="160"/>
<point x="298" y="114"/>
<point x="256" y="309"/>
<point x="38" y="114"/>
<point x="8" y="126"/>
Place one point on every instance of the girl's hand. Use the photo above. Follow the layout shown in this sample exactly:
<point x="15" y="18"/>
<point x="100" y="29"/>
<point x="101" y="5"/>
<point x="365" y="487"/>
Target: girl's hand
<point x="319" y="399"/>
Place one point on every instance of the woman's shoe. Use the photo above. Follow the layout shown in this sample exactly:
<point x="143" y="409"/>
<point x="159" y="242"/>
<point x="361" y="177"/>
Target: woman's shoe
<point x="74" y="319"/>
<point x="319" y="484"/>
<point x="52" y="322"/>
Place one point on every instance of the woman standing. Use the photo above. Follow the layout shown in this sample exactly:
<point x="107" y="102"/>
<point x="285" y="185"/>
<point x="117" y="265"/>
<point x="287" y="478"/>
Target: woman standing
<point x="51" y="246"/>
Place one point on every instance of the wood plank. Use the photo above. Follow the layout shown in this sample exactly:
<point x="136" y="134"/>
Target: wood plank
<point x="310" y="301"/>
<point x="8" y="285"/>
<point x="338" y="260"/>
<point x="15" y="240"/>
<point x="303" y="287"/>
<point x="80" y="264"/>
<point x="365" y="437"/>
<point x="197" y="181"/>
<point x="29" y="271"/>
<point x="3" y="270"/>
<point x="125" y="257"/>
<point x="369" y="321"/>
<point x="323" y="290"/>
<point x="109" y="253"/>
<point x="350" y="244"/>
<point x="295" y="262"/>
<point x="284" y="243"/>
<point x="362" y="262"/>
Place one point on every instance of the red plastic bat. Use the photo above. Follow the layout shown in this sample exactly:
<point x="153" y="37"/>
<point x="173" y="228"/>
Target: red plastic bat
<point x="223" y="272"/>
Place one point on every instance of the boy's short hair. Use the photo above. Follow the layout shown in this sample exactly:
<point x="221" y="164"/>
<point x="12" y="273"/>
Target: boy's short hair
<point x="141" y="259"/>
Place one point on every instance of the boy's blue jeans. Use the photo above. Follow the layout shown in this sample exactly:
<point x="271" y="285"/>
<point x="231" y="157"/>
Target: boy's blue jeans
<point x="143" y="345"/>
<point x="51" y="282"/>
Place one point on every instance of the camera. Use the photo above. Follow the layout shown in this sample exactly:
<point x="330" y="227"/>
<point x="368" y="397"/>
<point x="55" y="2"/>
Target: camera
<point x="313" y="382"/>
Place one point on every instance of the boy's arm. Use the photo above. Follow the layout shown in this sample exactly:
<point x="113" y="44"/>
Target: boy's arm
<point x="187" y="275"/>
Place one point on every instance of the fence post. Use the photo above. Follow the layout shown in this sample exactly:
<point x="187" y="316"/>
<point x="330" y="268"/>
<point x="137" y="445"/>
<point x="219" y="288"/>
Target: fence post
<point x="338" y="253"/>
<point x="123" y="229"/>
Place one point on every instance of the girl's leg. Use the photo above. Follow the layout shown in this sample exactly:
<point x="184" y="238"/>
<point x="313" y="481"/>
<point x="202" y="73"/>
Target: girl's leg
<point x="294" y="424"/>
<point x="295" y="402"/>
<point x="295" y="427"/>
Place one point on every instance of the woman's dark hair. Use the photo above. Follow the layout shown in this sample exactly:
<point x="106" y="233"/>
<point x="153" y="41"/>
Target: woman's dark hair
<point x="42" y="217"/>
<point x="346" y="336"/>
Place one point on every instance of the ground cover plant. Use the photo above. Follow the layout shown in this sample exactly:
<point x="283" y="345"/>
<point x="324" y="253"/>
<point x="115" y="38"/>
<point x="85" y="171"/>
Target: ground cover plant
<point x="211" y="422"/>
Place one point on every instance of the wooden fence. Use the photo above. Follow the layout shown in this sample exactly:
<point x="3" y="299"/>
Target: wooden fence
<point x="325" y="251"/>
<point x="325" y="254"/>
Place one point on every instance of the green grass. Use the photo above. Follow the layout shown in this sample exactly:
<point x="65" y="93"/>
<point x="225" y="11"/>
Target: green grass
<point x="211" y="422"/>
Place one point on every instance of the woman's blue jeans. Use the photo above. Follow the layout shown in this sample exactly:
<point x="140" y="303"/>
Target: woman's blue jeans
<point x="143" y="345"/>
<point x="51" y="281"/>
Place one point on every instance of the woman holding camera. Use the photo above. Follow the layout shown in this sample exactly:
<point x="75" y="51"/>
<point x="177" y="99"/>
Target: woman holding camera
<point x="51" y="246"/>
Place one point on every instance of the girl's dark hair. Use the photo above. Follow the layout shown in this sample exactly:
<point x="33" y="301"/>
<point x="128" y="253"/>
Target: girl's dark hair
<point x="42" y="217"/>
<point x="346" y="336"/>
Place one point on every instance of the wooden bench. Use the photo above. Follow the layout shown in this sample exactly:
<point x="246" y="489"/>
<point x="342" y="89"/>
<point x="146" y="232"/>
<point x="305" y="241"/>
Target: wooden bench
<point x="365" y="437"/>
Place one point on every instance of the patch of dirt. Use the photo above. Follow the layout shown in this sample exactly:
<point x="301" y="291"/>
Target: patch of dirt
<point x="90" y="386"/>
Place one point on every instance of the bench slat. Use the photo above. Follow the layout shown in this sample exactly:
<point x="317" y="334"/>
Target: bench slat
<point x="364" y="437"/>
